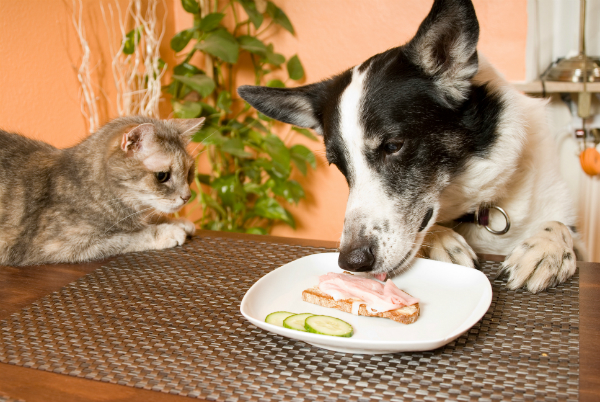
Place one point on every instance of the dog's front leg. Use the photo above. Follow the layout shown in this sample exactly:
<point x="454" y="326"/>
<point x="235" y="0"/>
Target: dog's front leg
<point x="444" y="244"/>
<point x="541" y="261"/>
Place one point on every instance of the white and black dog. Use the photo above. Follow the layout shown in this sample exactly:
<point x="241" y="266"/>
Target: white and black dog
<point x="426" y="134"/>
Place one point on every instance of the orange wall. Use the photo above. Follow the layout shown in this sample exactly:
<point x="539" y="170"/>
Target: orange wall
<point x="39" y="57"/>
<point x="39" y="54"/>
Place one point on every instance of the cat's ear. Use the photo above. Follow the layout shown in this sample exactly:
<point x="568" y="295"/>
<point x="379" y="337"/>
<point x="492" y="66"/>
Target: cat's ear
<point x="136" y="139"/>
<point x="188" y="127"/>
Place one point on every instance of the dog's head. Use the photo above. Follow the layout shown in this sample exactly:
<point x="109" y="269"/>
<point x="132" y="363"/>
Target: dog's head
<point x="398" y="126"/>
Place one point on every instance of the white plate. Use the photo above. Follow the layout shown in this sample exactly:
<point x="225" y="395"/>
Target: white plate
<point x="452" y="298"/>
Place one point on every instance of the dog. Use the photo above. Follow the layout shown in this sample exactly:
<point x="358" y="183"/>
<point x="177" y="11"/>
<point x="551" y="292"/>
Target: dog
<point x="443" y="157"/>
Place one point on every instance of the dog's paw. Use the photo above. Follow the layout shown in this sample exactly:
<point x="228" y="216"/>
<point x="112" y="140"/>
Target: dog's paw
<point x="185" y="224"/>
<point x="169" y="235"/>
<point x="444" y="244"/>
<point x="541" y="261"/>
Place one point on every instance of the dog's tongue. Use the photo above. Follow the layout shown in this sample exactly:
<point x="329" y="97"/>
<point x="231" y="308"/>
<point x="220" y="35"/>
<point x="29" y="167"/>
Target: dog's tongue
<point x="380" y="277"/>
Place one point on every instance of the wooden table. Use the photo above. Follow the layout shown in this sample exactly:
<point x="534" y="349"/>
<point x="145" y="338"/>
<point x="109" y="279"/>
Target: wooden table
<point x="19" y="287"/>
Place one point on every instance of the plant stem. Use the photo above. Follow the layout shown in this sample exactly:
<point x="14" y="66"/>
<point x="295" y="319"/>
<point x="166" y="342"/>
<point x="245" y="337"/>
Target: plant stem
<point x="257" y="34"/>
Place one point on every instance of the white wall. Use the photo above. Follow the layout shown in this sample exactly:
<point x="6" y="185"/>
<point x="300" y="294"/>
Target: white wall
<point x="553" y="32"/>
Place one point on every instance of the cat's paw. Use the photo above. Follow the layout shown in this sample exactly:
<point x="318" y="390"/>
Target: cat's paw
<point x="169" y="235"/>
<point x="185" y="224"/>
<point x="541" y="261"/>
<point x="444" y="244"/>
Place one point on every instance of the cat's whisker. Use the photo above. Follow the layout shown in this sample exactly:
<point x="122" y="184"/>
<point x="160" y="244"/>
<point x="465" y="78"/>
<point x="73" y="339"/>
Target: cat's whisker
<point x="202" y="142"/>
<point x="130" y="215"/>
<point x="195" y="156"/>
<point x="194" y="150"/>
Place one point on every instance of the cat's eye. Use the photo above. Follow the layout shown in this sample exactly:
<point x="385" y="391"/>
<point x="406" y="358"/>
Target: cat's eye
<point x="392" y="147"/>
<point x="162" y="177"/>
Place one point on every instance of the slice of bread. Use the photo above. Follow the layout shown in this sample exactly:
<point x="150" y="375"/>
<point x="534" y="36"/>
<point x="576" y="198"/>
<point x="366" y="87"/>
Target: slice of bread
<point x="404" y="315"/>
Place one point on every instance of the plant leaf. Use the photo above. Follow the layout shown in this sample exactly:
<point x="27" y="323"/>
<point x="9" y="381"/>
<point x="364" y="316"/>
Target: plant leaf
<point x="252" y="44"/>
<point x="305" y="132"/>
<point x="211" y="21"/>
<point x="301" y="155"/>
<point x="305" y="154"/>
<point x="276" y="84"/>
<point x="253" y="188"/>
<point x="291" y="190"/>
<point x="229" y="189"/>
<point x="186" y="69"/>
<point x="235" y="146"/>
<point x="210" y="202"/>
<point x="193" y="197"/>
<point x="209" y="135"/>
<point x="221" y="44"/>
<point x="191" y="6"/>
<point x="255" y="16"/>
<point x="254" y="171"/>
<point x="277" y="150"/>
<point x="259" y="126"/>
<point x="257" y="231"/>
<point x="279" y="17"/>
<point x="208" y="110"/>
<point x="200" y="83"/>
<point x="294" y="68"/>
<point x="300" y="165"/>
<point x="181" y="39"/>
<point x="264" y="117"/>
<point x="274" y="58"/>
<point x="131" y="40"/>
<point x="269" y="208"/>
<point x="204" y="178"/>
<point x="224" y="101"/>
<point x="186" y="110"/>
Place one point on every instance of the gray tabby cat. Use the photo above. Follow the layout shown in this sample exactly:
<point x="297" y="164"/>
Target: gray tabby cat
<point x="105" y="196"/>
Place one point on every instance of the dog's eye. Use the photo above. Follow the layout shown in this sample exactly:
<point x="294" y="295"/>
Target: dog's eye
<point x="392" y="147"/>
<point x="162" y="177"/>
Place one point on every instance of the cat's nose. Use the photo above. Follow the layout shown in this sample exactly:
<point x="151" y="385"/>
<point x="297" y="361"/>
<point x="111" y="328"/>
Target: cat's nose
<point x="186" y="198"/>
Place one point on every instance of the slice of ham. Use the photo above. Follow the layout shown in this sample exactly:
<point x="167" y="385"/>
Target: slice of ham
<point x="375" y="295"/>
<point x="380" y="277"/>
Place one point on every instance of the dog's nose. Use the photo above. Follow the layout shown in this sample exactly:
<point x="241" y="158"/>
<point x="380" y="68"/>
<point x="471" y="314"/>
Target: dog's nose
<point x="359" y="259"/>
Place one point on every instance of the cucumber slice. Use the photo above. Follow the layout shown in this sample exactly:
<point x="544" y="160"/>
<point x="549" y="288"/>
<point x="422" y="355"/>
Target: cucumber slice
<point x="325" y="325"/>
<point x="296" y="321"/>
<point x="277" y="317"/>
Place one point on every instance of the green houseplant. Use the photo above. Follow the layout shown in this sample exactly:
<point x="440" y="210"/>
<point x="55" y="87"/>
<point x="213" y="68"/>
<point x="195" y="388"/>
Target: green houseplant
<point x="249" y="181"/>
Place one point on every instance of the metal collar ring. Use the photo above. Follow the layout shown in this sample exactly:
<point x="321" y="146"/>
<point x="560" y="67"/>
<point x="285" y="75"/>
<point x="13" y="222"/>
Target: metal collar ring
<point x="486" y="220"/>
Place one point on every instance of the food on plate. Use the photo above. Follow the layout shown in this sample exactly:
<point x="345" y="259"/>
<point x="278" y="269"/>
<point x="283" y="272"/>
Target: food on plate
<point x="277" y="317"/>
<point x="296" y="321"/>
<point x="326" y="325"/>
<point x="363" y="296"/>
<point x="309" y="322"/>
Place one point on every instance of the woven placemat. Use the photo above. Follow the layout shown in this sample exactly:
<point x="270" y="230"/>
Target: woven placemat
<point x="169" y="321"/>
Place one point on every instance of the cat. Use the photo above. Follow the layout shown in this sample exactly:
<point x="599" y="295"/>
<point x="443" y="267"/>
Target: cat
<point x="105" y="196"/>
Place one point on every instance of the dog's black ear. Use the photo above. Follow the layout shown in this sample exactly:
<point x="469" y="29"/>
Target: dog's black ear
<point x="445" y="47"/>
<point x="298" y="106"/>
